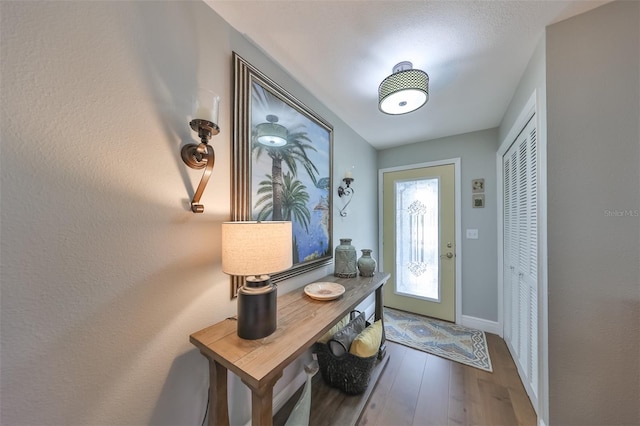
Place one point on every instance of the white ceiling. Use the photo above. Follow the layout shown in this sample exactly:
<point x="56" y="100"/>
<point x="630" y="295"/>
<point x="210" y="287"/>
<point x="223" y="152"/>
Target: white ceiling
<point x="474" y="52"/>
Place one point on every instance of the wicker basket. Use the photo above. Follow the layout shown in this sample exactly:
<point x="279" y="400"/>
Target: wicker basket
<point x="349" y="373"/>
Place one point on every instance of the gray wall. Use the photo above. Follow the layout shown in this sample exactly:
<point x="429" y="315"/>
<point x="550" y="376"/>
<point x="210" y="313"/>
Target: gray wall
<point x="104" y="270"/>
<point x="477" y="151"/>
<point x="593" y="101"/>
<point x="534" y="80"/>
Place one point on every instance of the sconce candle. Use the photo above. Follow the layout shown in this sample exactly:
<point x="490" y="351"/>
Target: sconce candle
<point x="208" y="106"/>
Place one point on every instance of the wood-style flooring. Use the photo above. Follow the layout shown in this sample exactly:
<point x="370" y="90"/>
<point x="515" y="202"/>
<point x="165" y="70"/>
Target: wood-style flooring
<point x="420" y="389"/>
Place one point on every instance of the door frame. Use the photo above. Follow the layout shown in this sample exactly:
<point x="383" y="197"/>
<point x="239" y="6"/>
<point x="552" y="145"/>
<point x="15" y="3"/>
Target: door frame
<point x="458" y="219"/>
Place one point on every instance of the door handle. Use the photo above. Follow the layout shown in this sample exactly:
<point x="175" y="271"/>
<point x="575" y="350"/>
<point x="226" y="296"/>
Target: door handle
<point x="449" y="255"/>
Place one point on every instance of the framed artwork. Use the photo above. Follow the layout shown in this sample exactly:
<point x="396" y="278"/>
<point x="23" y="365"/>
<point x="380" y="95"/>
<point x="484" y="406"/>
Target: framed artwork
<point x="281" y="167"/>
<point x="477" y="185"/>
<point x="478" y="201"/>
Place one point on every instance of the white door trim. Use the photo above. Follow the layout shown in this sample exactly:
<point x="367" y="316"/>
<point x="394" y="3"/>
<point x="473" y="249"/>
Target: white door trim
<point x="458" y="219"/>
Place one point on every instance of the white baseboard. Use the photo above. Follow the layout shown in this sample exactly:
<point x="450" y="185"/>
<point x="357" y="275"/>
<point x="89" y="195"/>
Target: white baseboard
<point x="482" y="324"/>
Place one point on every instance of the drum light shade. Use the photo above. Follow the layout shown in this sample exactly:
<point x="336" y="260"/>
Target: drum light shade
<point x="271" y="133"/>
<point x="404" y="91"/>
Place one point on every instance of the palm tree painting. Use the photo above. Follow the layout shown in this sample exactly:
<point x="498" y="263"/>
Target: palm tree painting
<point x="290" y="176"/>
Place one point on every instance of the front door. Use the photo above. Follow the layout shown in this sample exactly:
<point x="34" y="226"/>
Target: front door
<point x="419" y="240"/>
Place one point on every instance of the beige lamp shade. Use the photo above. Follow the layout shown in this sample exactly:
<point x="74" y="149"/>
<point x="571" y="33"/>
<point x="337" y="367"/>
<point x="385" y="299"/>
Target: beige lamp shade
<point x="256" y="248"/>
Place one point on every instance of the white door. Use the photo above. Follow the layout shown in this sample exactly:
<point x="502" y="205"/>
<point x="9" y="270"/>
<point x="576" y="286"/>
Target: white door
<point x="419" y="241"/>
<point x="520" y="254"/>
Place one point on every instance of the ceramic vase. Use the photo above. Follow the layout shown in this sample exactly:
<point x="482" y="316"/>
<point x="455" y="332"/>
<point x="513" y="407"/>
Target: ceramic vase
<point x="345" y="259"/>
<point x="366" y="264"/>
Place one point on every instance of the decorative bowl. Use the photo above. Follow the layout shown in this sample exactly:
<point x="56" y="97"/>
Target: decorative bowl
<point x="324" y="290"/>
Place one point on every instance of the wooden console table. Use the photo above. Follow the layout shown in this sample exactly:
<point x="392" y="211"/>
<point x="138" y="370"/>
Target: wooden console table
<point x="259" y="363"/>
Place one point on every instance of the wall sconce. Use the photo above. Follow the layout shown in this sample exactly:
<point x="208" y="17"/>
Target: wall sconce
<point x="346" y="191"/>
<point x="254" y="250"/>
<point x="201" y="156"/>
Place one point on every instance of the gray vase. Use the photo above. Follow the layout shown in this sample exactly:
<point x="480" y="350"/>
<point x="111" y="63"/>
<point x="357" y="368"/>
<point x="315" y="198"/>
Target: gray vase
<point x="366" y="264"/>
<point x="345" y="259"/>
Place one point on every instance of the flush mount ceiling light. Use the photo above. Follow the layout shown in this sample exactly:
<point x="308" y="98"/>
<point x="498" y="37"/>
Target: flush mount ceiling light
<point x="271" y="134"/>
<point x="404" y="91"/>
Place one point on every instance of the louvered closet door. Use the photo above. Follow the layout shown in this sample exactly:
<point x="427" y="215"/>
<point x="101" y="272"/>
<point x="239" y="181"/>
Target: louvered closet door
<point x="520" y="274"/>
<point x="511" y="246"/>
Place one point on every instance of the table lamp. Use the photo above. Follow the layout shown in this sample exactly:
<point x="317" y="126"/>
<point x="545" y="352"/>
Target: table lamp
<point x="254" y="250"/>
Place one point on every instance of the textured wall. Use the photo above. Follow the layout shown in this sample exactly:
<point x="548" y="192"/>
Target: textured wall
<point x="593" y="100"/>
<point x="477" y="151"/>
<point x="104" y="270"/>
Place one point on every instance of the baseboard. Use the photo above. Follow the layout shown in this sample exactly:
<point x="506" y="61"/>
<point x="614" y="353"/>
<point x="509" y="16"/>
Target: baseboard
<point x="487" y="326"/>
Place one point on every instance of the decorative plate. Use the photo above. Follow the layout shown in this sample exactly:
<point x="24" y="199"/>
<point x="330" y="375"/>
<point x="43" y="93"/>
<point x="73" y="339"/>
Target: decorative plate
<point x="324" y="290"/>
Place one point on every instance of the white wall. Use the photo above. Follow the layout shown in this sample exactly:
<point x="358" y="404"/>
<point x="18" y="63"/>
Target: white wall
<point x="477" y="152"/>
<point x="593" y="106"/>
<point x="104" y="270"/>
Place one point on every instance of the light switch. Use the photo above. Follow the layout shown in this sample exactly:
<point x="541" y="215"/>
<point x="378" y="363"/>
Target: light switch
<point x="472" y="234"/>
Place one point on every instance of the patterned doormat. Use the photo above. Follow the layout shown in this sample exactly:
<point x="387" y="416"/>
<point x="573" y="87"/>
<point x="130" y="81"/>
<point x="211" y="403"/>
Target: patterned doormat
<point x="441" y="338"/>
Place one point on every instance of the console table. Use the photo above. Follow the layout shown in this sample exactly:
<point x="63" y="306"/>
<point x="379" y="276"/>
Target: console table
<point x="259" y="363"/>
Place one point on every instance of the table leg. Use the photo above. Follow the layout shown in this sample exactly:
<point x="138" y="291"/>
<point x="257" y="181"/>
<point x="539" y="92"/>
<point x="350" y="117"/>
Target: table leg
<point x="218" y="405"/>
<point x="379" y="315"/>
<point x="262" y="403"/>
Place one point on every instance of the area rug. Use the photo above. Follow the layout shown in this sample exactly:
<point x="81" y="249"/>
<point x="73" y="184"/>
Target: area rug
<point x="441" y="338"/>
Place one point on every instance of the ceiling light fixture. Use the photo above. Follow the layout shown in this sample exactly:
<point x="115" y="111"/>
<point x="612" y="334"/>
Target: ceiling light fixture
<point x="404" y="91"/>
<point x="271" y="134"/>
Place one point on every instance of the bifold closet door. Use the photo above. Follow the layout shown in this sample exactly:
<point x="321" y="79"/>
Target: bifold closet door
<point x="520" y="273"/>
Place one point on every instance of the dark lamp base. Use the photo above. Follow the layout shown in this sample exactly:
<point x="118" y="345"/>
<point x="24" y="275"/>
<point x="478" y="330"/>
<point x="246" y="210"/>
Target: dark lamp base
<point x="257" y="312"/>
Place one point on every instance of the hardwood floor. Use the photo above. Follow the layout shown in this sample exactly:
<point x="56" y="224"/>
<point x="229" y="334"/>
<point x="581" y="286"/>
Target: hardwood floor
<point x="420" y="389"/>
